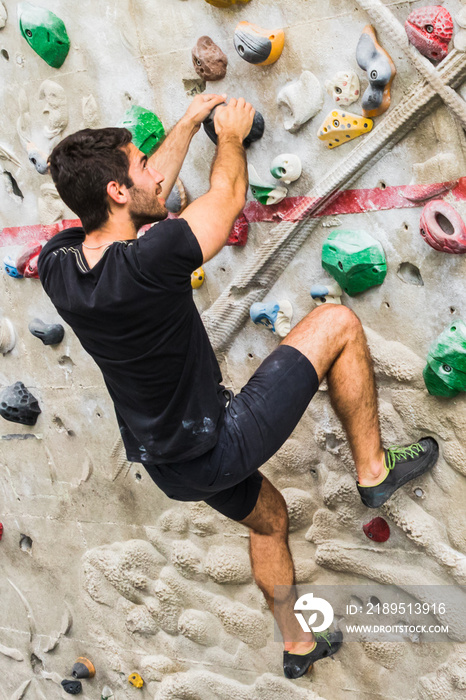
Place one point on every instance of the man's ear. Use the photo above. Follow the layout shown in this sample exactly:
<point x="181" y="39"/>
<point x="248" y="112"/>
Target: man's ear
<point x="117" y="193"/>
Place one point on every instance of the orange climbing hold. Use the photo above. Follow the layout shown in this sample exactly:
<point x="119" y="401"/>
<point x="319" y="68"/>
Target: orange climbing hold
<point x="83" y="668"/>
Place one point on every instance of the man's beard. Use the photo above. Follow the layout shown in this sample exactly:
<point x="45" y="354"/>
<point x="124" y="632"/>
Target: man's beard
<point x="145" y="208"/>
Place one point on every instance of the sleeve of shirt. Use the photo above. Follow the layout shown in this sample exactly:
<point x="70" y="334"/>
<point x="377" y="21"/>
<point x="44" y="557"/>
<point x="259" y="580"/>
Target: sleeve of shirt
<point x="168" y="253"/>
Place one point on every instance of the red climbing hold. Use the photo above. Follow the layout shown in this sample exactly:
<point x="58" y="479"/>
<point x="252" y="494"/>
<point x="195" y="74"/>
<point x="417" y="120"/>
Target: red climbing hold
<point x="1" y="530"/>
<point x="239" y="232"/>
<point x="430" y="30"/>
<point x="377" y="530"/>
<point x="26" y="263"/>
<point x="443" y="228"/>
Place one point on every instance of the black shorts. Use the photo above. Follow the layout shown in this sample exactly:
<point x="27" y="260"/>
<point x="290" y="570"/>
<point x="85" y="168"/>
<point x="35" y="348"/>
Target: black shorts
<point x="256" y="423"/>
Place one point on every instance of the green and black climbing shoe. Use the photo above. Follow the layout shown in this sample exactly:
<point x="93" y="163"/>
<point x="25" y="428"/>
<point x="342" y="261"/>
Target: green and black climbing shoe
<point x="326" y="644"/>
<point x="402" y="464"/>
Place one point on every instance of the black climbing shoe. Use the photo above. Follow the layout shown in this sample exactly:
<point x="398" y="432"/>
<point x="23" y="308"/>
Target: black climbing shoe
<point x="327" y="643"/>
<point x="403" y="464"/>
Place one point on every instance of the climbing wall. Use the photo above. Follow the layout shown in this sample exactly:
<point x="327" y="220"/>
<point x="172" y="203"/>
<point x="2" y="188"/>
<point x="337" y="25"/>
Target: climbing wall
<point x="94" y="560"/>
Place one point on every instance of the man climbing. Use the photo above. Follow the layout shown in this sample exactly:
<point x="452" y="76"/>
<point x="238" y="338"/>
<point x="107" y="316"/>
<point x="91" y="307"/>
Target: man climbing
<point x="129" y="301"/>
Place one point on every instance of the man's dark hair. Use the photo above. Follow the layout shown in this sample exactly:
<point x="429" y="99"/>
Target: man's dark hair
<point x="81" y="167"/>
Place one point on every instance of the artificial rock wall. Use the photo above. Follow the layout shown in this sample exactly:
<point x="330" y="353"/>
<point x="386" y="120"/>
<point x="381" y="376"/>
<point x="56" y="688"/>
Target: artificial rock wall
<point x="95" y="561"/>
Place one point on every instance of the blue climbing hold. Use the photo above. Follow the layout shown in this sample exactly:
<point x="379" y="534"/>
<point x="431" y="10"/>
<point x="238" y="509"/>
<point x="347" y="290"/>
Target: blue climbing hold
<point x="10" y="267"/>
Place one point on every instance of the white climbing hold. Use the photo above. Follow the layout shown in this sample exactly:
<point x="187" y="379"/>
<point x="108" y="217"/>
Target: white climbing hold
<point x="51" y="207"/>
<point x="3" y="15"/>
<point x="326" y="293"/>
<point x="286" y="167"/>
<point x="265" y="192"/>
<point x="90" y="110"/>
<point x="459" y="40"/>
<point x="344" y="87"/>
<point x="56" y="107"/>
<point x="7" y="336"/>
<point x="301" y="100"/>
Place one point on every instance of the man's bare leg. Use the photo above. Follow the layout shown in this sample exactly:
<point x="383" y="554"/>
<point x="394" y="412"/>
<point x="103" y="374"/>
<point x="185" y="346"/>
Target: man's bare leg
<point x="272" y="564"/>
<point x="333" y="339"/>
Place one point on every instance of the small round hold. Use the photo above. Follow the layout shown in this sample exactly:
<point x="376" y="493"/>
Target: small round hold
<point x="197" y="278"/>
<point x="72" y="687"/>
<point x="256" y="133"/>
<point x="377" y="530"/>
<point x="50" y="334"/>
<point x="136" y="680"/>
<point x="107" y="693"/>
<point x="83" y="668"/>
<point x="286" y="167"/>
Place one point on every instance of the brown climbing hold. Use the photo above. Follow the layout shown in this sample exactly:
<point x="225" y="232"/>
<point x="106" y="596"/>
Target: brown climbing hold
<point x="83" y="668"/>
<point x="209" y="61"/>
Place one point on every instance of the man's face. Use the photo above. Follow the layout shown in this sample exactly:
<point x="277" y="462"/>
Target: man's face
<point x="145" y="205"/>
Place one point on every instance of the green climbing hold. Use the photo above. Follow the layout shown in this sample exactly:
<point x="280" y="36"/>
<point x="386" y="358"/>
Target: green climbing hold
<point x="355" y="260"/>
<point x="146" y="128"/>
<point x="445" y="372"/>
<point x="44" y="32"/>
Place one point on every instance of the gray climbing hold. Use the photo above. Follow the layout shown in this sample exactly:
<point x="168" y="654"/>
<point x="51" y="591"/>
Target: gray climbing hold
<point x="256" y="133"/>
<point x="38" y="160"/>
<point x="72" y="687"/>
<point x="50" y="334"/>
<point x="18" y="405"/>
<point x="177" y="200"/>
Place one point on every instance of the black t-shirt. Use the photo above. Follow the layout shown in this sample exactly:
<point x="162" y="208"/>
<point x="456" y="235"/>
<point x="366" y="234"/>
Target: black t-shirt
<point x="134" y="313"/>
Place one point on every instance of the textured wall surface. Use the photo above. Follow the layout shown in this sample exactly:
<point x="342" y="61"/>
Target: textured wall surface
<point x="95" y="560"/>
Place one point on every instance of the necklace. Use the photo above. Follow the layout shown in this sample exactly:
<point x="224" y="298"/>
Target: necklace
<point x="96" y="247"/>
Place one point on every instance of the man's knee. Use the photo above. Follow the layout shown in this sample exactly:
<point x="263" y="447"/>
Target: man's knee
<point x="270" y="515"/>
<point x="339" y="317"/>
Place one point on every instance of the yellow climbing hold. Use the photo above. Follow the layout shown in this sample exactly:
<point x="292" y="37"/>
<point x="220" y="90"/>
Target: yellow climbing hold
<point x="136" y="680"/>
<point x="340" y="127"/>
<point x="197" y="278"/>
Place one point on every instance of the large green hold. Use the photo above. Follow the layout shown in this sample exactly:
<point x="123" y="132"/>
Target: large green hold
<point x="355" y="260"/>
<point x="445" y="372"/>
<point x="146" y="128"/>
<point x="44" y="32"/>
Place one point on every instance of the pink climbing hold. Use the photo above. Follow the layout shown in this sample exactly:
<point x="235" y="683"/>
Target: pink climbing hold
<point x="26" y="263"/>
<point x="377" y="530"/>
<point x="430" y="30"/>
<point x="443" y="228"/>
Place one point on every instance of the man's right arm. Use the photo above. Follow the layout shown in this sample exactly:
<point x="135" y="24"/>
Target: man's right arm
<point x="212" y="216"/>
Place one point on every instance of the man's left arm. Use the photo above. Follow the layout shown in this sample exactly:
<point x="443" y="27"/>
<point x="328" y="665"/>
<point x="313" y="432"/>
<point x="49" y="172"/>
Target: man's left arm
<point x="169" y="157"/>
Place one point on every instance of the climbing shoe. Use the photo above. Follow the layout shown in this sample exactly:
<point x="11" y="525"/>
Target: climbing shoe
<point x="402" y="464"/>
<point x="326" y="644"/>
